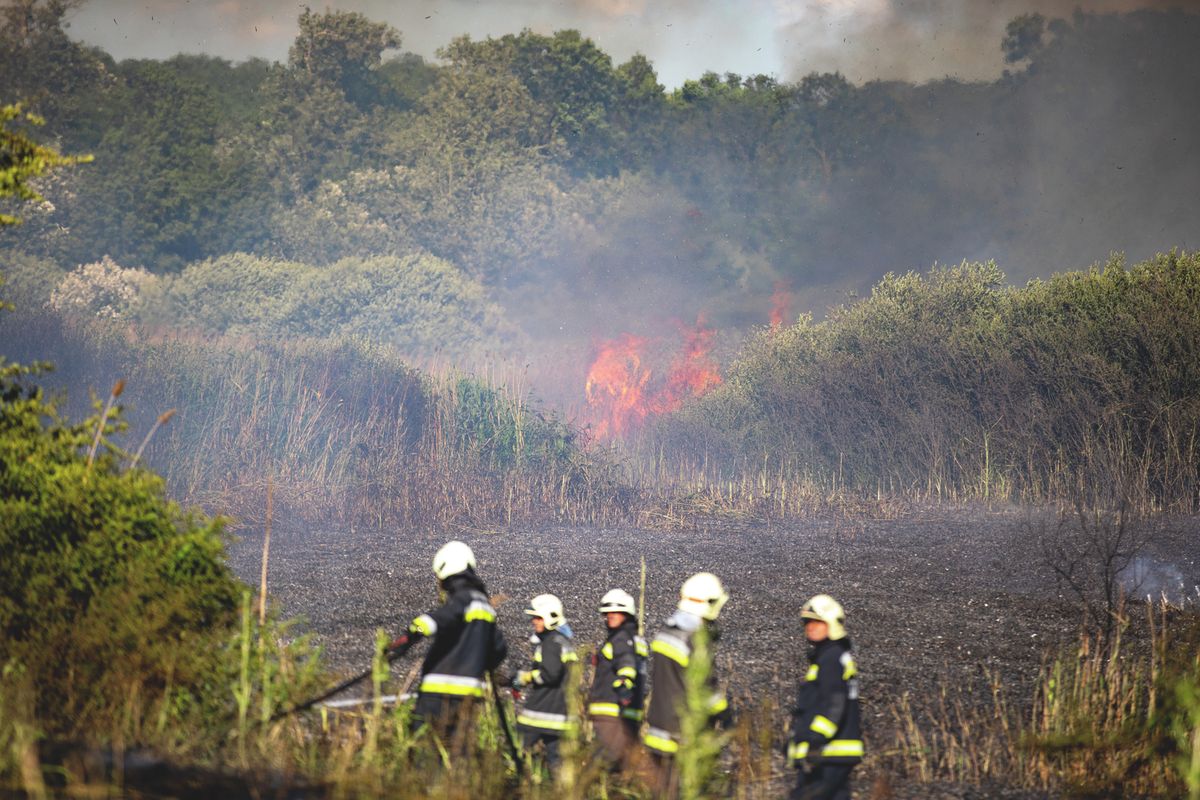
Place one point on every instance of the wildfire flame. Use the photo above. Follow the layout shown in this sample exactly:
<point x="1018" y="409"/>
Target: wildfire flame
<point x="621" y="393"/>
<point x="781" y="299"/>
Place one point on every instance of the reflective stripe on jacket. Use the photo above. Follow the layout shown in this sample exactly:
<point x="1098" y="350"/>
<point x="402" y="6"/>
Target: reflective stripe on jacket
<point x="826" y="719"/>
<point x="465" y="642"/>
<point x="620" y="662"/>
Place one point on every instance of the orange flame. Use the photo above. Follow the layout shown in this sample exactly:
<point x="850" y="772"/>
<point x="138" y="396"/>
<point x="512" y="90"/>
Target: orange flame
<point x="618" y="387"/>
<point x="781" y="299"/>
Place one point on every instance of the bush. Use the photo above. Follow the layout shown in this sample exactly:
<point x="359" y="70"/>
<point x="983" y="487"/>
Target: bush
<point x="419" y="303"/>
<point x="114" y="598"/>
<point x="1083" y="385"/>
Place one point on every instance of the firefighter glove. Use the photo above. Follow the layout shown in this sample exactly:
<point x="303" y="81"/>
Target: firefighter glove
<point x="624" y="690"/>
<point x="524" y="678"/>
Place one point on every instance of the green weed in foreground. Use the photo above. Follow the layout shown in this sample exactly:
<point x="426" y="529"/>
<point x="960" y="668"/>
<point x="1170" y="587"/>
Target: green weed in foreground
<point x="1106" y="721"/>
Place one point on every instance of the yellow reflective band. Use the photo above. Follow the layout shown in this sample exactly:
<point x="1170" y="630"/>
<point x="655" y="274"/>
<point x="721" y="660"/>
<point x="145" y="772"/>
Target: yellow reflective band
<point x="640" y="647"/>
<point x="680" y="657"/>
<point x="607" y="650"/>
<point x="797" y="751"/>
<point x="627" y="672"/>
<point x="436" y="687"/>
<point x="619" y="682"/>
<point x="661" y="741"/>
<point x="537" y="655"/>
<point x="824" y="726"/>
<point x="851" y="669"/>
<point x="632" y="713"/>
<point x="424" y="625"/>
<point x="569" y="656"/>
<point x="812" y="673"/>
<point x="604" y="709"/>
<point x="536" y="676"/>
<point x="843" y="748"/>
<point x="543" y="720"/>
<point x="479" y="611"/>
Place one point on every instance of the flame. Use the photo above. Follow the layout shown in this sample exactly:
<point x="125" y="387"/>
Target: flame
<point x="781" y="299"/>
<point x="619" y="388"/>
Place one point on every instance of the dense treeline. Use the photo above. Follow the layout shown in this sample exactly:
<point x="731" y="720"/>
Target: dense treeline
<point x="1085" y="385"/>
<point x="538" y="167"/>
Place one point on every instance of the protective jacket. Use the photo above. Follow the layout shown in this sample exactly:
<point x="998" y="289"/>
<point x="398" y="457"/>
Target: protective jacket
<point x="671" y="652"/>
<point x="466" y="642"/>
<point x="826" y="725"/>
<point x="619" y="688"/>
<point x="546" y="697"/>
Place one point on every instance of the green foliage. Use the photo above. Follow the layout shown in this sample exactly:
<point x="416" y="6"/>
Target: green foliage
<point x="949" y="382"/>
<point x="22" y="159"/>
<point x="418" y="303"/>
<point x="112" y="593"/>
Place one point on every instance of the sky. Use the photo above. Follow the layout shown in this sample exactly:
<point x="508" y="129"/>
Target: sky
<point x="916" y="40"/>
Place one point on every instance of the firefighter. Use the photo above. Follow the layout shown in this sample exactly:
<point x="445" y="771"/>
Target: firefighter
<point x="615" y="703"/>
<point x="466" y="646"/>
<point x="544" y="718"/>
<point x="826" y="740"/>
<point x="700" y="601"/>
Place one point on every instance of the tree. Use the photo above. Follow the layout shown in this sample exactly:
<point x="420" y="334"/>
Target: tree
<point x="22" y="159"/>
<point x="1023" y="37"/>
<point x="343" y="49"/>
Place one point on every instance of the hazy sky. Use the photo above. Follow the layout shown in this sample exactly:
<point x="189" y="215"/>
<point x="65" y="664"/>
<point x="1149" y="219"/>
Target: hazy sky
<point x="864" y="39"/>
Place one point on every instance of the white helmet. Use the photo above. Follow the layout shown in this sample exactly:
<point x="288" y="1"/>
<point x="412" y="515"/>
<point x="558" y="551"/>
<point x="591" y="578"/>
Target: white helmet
<point x="618" y="600"/>
<point x="703" y="595"/>
<point x="824" y="608"/>
<point x="549" y="608"/>
<point x="453" y="558"/>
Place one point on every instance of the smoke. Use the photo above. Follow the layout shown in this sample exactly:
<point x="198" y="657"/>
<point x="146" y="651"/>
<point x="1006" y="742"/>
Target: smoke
<point x="915" y="40"/>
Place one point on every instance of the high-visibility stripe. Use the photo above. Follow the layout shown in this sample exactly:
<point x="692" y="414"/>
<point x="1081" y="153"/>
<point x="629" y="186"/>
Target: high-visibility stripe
<point x="614" y="710"/>
<point x="824" y="726"/>
<point x="537" y="655"/>
<point x="479" y="611"/>
<point x="812" y="673"/>
<point x="460" y="685"/>
<point x="843" y="748"/>
<point x="639" y="646"/>
<point x="676" y="650"/>
<point x="660" y="740"/>
<point x="797" y="751"/>
<point x="536" y="676"/>
<point x="850" y="669"/>
<point x="569" y="655"/>
<point x="424" y="625"/>
<point x="628" y="672"/>
<point x="544" y="720"/>
<point x="717" y="703"/>
<point x="607" y="650"/>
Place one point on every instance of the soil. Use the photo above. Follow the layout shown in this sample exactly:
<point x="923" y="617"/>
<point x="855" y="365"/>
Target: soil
<point x="935" y="596"/>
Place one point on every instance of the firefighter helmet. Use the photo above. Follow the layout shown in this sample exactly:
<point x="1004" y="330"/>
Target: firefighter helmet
<point x="549" y="608"/>
<point x="618" y="600"/>
<point x="703" y="595"/>
<point x="824" y="608"/>
<point x="453" y="558"/>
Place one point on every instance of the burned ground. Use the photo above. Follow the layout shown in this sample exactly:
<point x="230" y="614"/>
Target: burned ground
<point x="934" y="597"/>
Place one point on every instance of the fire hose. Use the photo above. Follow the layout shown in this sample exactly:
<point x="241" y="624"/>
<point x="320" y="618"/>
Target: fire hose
<point x="395" y="652"/>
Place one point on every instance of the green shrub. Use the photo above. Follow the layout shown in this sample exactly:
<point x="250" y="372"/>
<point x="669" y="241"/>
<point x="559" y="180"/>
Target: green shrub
<point x="114" y="598"/>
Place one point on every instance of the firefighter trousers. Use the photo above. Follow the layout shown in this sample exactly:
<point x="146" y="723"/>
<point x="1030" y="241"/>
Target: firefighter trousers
<point x="823" y="782"/>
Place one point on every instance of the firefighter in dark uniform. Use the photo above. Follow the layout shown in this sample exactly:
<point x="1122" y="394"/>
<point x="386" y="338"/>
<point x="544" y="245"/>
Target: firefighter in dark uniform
<point x="544" y="718"/>
<point x="616" y="700"/>
<point x="700" y="601"/>
<point x="466" y="646"/>
<point x="826" y="741"/>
